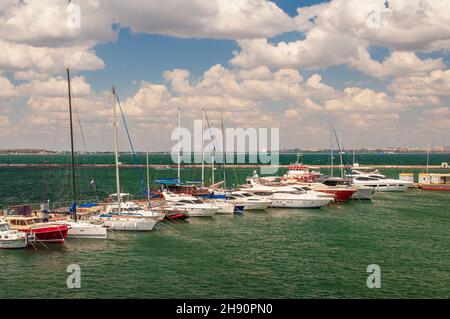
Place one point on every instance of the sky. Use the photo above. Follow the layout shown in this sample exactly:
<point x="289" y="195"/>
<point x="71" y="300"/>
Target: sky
<point x="378" y="71"/>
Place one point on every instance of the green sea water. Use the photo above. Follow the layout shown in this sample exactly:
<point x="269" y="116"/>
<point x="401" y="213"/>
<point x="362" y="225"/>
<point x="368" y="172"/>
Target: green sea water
<point x="277" y="253"/>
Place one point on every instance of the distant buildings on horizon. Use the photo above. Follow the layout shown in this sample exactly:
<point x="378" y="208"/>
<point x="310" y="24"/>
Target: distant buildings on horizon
<point x="385" y="150"/>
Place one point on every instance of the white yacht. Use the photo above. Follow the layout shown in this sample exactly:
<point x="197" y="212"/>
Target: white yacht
<point x="118" y="222"/>
<point x="288" y="196"/>
<point x="83" y="229"/>
<point x="362" y="192"/>
<point x="379" y="182"/>
<point x="248" y="200"/>
<point x="192" y="205"/>
<point x="11" y="239"/>
<point x="129" y="208"/>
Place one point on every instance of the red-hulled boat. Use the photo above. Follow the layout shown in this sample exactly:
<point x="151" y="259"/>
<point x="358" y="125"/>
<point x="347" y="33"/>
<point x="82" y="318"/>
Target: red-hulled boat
<point x="43" y="232"/>
<point x="340" y="194"/>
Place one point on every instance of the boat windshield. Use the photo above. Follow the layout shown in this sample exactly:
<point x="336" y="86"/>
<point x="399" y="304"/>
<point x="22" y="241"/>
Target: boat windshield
<point x="302" y="189"/>
<point x="3" y="227"/>
<point x="247" y="194"/>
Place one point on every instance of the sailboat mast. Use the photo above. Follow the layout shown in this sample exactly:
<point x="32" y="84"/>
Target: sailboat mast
<point x="203" y="149"/>
<point x="116" y="151"/>
<point x="223" y="152"/>
<point x="428" y="157"/>
<point x="340" y="155"/>
<point x="212" y="165"/>
<point x="179" y="155"/>
<point x="74" y="190"/>
<point x="332" y="161"/>
<point x="148" y="179"/>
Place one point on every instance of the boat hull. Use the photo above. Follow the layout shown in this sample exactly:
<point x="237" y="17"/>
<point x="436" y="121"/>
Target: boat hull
<point x="431" y="187"/>
<point x="146" y="224"/>
<point x="300" y="203"/>
<point x="86" y="230"/>
<point x="225" y="208"/>
<point x="16" y="243"/>
<point x="388" y="188"/>
<point x="205" y="212"/>
<point x="250" y="205"/>
<point x="364" y="193"/>
<point x="176" y="216"/>
<point x="52" y="234"/>
<point x="340" y="195"/>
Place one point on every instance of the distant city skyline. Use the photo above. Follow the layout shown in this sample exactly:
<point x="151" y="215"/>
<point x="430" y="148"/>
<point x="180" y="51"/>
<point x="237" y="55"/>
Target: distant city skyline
<point x="299" y="66"/>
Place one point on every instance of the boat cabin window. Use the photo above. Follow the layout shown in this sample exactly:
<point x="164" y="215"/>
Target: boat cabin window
<point x="185" y="201"/>
<point x="377" y="176"/>
<point x="3" y="227"/>
<point x="301" y="189"/>
<point x="361" y="178"/>
<point x="264" y="193"/>
<point x="247" y="194"/>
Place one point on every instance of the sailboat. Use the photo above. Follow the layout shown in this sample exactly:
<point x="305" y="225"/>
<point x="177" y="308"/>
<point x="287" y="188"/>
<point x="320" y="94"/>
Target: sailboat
<point x="219" y="198"/>
<point x="78" y="229"/>
<point x="119" y="215"/>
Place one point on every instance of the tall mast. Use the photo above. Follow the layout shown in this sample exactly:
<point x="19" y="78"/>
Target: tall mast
<point x="340" y="155"/>
<point x="74" y="190"/>
<point x="148" y="179"/>
<point x="428" y="157"/>
<point x="212" y="164"/>
<point x="332" y="160"/>
<point x="116" y="151"/>
<point x="332" y="151"/>
<point x="223" y="152"/>
<point x="203" y="149"/>
<point x="179" y="155"/>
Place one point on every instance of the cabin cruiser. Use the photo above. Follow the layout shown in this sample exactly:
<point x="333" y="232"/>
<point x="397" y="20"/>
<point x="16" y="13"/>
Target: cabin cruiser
<point x="83" y="229"/>
<point x="121" y="223"/>
<point x="378" y="182"/>
<point x="192" y="205"/>
<point x="294" y="196"/>
<point x="248" y="200"/>
<point x="11" y="239"/>
<point x="45" y="232"/>
<point x="362" y="192"/>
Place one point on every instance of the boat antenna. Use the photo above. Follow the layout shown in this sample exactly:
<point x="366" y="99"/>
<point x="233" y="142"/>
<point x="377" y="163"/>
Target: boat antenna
<point x="74" y="190"/>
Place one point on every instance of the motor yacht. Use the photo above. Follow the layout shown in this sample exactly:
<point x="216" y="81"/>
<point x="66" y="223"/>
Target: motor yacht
<point x="11" y="239"/>
<point x="379" y="182"/>
<point x="192" y="205"/>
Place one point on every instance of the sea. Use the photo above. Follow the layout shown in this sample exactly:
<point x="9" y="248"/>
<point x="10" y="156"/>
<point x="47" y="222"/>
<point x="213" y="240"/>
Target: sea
<point x="276" y="253"/>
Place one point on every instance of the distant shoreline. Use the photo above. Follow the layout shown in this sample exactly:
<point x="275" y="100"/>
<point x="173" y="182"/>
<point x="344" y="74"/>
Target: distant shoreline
<point x="174" y="166"/>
